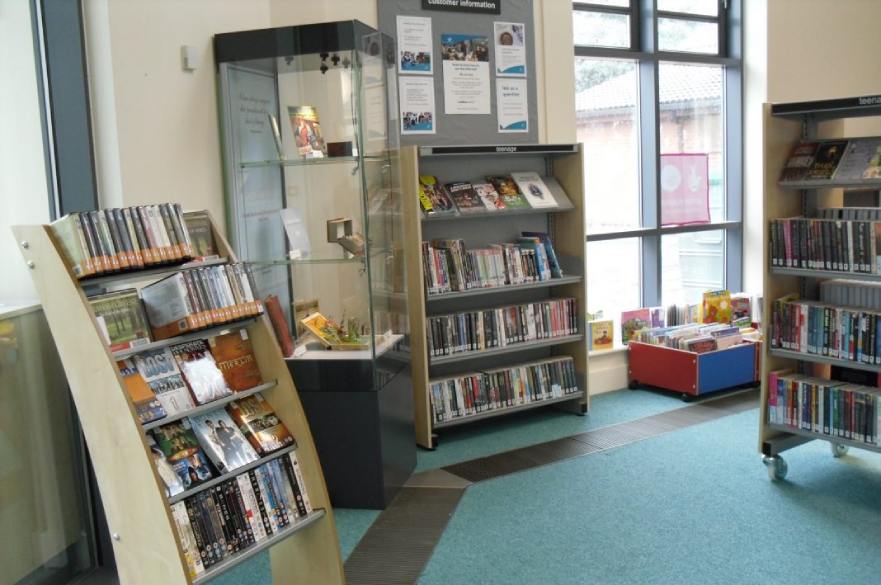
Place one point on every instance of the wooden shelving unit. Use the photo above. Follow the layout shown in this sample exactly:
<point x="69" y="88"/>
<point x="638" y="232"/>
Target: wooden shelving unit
<point x="144" y="537"/>
<point x="784" y="126"/>
<point x="561" y="166"/>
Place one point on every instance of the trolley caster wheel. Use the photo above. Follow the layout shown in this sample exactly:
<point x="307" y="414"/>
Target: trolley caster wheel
<point x="687" y="397"/>
<point x="838" y="450"/>
<point x="777" y="467"/>
<point x="633" y="385"/>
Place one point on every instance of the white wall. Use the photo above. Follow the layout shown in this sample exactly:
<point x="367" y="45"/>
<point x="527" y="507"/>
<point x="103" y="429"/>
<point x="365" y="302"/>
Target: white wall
<point x="23" y="190"/>
<point x="157" y="136"/>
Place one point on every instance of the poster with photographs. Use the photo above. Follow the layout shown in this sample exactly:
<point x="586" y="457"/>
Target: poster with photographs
<point x="510" y="39"/>
<point x="466" y="73"/>
<point x="417" y="105"/>
<point x="414" y="45"/>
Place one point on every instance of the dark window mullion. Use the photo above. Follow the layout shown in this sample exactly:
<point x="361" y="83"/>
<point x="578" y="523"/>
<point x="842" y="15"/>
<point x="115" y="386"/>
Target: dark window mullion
<point x="587" y="7"/>
<point x="687" y="16"/>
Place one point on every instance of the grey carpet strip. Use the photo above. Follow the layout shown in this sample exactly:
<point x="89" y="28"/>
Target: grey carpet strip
<point x="397" y="546"/>
<point x="604" y="438"/>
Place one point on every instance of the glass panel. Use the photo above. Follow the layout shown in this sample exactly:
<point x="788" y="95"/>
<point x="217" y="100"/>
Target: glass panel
<point x="607" y="122"/>
<point x="688" y="36"/>
<point x="692" y="125"/>
<point x="619" y="3"/>
<point x="601" y="29"/>
<point x="691" y="264"/>
<point x="613" y="281"/>
<point x="44" y="523"/>
<point x="704" y="7"/>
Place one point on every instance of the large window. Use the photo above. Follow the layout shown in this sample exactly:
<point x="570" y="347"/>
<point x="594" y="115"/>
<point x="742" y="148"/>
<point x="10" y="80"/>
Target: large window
<point x="658" y="108"/>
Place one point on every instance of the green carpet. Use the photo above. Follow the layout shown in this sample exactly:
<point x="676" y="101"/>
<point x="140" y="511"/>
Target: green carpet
<point x="493" y="436"/>
<point x="693" y="506"/>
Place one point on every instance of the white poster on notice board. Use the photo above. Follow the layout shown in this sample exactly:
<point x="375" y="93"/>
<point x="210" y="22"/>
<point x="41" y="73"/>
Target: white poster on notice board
<point x="466" y="74"/>
<point x="414" y="45"/>
<point x="512" y="105"/>
<point x="417" y="105"/>
<point x="510" y="39"/>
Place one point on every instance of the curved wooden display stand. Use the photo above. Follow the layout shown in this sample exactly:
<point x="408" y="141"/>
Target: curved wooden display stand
<point x="144" y="537"/>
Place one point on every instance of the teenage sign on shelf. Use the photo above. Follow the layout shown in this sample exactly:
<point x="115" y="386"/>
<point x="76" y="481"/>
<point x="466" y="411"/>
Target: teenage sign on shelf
<point x="466" y="74"/>
<point x="685" y="191"/>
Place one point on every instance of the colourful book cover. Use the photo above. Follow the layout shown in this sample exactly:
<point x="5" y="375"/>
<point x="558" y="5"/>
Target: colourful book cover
<point x="200" y="370"/>
<point x="432" y="195"/>
<point x="633" y="321"/>
<point x="235" y="359"/>
<point x="121" y="319"/>
<point x="222" y="440"/>
<point x="177" y="446"/>
<point x="147" y="406"/>
<point x="716" y="306"/>
<point x="602" y="335"/>
<point x="799" y="161"/>
<point x="534" y="189"/>
<point x="490" y="197"/>
<point x="307" y="131"/>
<point x="259" y="423"/>
<point x="159" y="369"/>
<point x="826" y="160"/>
<point x="465" y="197"/>
<point x="508" y="191"/>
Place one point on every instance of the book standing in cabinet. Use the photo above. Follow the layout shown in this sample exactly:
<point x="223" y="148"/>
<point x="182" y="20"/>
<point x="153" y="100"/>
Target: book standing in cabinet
<point x="142" y="517"/>
<point x="491" y="366"/>
<point x="817" y="250"/>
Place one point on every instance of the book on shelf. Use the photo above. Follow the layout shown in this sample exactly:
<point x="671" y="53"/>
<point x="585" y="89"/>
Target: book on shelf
<point x="241" y="512"/>
<point x="695" y="337"/>
<point x="474" y="393"/>
<point x="852" y="294"/>
<point x="634" y="321"/>
<point x="827" y="244"/>
<point x="716" y="306"/>
<point x="159" y="370"/>
<point x="741" y="310"/>
<point x="200" y="371"/>
<point x="538" y="247"/>
<point x="534" y="190"/>
<point x="306" y="129"/>
<point x="556" y="269"/>
<point x="195" y="299"/>
<point x="222" y="440"/>
<point x="489" y="196"/>
<point x="235" y="359"/>
<point x="121" y="319"/>
<point x="259" y="424"/>
<point x="602" y="335"/>
<point x="826" y="329"/>
<point x="857" y="159"/>
<point x="179" y="457"/>
<point x="279" y="325"/>
<point x="148" y="408"/>
<point x="484" y="329"/>
<point x="508" y="191"/>
<point x="432" y="198"/>
<point x="800" y="160"/>
<point x="201" y="235"/>
<point x="826" y="407"/>
<point x="116" y="239"/>
<point x="465" y="197"/>
<point x="826" y="160"/>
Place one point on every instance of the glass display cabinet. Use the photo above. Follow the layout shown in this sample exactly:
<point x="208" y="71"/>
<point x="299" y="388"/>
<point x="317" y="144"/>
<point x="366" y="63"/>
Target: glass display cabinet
<point x="310" y="146"/>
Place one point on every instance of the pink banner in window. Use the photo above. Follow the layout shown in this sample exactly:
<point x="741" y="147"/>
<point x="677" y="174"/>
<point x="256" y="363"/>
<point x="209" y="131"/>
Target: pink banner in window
<point x="685" y="191"/>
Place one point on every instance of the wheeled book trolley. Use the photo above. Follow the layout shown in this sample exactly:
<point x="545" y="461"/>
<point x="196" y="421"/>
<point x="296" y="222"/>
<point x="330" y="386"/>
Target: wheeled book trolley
<point x="145" y="541"/>
<point x="785" y="125"/>
<point x="561" y="167"/>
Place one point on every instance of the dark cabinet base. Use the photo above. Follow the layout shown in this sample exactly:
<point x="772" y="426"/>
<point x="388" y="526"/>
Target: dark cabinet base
<point x="364" y="436"/>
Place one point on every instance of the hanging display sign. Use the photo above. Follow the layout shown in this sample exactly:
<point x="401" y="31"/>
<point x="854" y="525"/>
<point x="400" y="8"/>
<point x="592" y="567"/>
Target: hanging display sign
<point x="479" y="6"/>
<point x="684" y="189"/>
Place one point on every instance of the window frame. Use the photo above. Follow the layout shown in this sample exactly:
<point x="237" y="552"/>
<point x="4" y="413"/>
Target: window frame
<point x="644" y="17"/>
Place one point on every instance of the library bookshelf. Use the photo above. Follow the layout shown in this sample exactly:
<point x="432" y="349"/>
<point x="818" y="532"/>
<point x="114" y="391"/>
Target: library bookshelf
<point x="785" y="125"/>
<point x="145" y="541"/>
<point x="561" y="167"/>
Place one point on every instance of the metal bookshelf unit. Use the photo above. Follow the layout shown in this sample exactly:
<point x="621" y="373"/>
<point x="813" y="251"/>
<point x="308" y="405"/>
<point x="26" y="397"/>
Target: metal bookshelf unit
<point x="561" y="168"/>
<point x="784" y="126"/>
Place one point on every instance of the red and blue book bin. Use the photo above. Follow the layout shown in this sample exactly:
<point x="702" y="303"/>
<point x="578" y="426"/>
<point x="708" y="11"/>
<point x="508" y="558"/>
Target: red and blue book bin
<point x="693" y="374"/>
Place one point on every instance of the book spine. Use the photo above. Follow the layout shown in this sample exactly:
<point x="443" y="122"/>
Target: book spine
<point x="265" y="517"/>
<point x="184" y="234"/>
<point x="199" y="533"/>
<point x="252" y="509"/>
